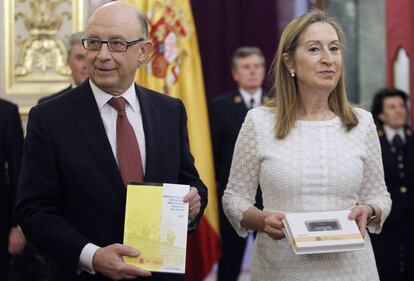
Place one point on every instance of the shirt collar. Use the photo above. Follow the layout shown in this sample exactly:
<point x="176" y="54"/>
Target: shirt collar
<point x="102" y="97"/>
<point x="257" y="96"/>
<point x="390" y="133"/>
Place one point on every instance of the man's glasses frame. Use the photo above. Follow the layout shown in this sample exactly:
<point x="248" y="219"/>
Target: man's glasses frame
<point x="114" y="45"/>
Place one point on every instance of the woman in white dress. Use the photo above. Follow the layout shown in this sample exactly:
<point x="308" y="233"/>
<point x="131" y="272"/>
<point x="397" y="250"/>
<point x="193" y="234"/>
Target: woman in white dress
<point x="309" y="150"/>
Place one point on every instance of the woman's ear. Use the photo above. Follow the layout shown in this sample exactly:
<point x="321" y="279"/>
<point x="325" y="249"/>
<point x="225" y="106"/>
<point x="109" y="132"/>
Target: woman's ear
<point x="288" y="62"/>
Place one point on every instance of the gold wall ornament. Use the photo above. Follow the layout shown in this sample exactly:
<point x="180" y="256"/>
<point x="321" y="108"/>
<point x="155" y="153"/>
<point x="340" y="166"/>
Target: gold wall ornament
<point x="35" y="51"/>
<point x="42" y="49"/>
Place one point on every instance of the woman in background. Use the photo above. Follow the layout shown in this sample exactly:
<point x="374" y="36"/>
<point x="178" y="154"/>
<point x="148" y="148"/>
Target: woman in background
<point x="394" y="247"/>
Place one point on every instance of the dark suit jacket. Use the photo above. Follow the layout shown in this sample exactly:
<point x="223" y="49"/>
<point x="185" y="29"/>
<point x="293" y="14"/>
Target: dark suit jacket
<point x="394" y="243"/>
<point x="71" y="191"/>
<point x="11" y="146"/>
<point x="227" y="115"/>
<point x="56" y="95"/>
<point x="402" y="203"/>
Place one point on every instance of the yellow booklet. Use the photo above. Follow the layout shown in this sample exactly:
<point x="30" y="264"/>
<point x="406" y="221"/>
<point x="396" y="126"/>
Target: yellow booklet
<point x="156" y="222"/>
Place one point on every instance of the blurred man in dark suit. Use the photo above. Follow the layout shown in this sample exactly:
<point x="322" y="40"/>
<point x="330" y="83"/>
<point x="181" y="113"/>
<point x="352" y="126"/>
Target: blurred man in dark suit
<point x="227" y="114"/>
<point x="12" y="240"/>
<point x="394" y="247"/>
<point x="76" y="62"/>
<point x="32" y="265"/>
<point x="83" y="148"/>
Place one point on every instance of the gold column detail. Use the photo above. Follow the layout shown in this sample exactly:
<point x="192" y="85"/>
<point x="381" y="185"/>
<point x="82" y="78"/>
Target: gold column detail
<point x="42" y="49"/>
<point x="35" y="47"/>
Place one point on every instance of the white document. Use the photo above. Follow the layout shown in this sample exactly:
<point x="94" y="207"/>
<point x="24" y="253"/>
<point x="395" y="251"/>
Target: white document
<point x="322" y="232"/>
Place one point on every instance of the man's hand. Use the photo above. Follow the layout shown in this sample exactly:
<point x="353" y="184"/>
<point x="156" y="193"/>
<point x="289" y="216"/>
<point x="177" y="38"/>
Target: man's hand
<point x="193" y="199"/>
<point x="109" y="262"/>
<point x="17" y="240"/>
<point x="273" y="225"/>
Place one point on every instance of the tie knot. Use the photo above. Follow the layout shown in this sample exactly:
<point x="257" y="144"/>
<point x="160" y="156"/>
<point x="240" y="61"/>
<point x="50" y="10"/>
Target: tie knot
<point x="397" y="141"/>
<point x="117" y="103"/>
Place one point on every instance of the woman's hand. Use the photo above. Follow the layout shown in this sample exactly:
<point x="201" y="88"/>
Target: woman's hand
<point x="273" y="225"/>
<point x="361" y="214"/>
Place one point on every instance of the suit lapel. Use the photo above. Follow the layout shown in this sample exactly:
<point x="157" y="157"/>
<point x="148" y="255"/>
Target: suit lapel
<point x="387" y="152"/>
<point x="238" y="106"/>
<point x="88" y="119"/>
<point x="150" y="121"/>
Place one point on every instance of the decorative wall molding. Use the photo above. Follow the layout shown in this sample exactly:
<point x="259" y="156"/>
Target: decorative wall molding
<point x="35" y="50"/>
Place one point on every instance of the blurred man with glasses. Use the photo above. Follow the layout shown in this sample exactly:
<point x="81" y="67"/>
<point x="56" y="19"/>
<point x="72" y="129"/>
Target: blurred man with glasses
<point x="83" y="148"/>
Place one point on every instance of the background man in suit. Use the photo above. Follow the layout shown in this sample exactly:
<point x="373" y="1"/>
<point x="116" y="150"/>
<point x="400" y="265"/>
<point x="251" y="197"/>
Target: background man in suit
<point x="31" y="264"/>
<point x="82" y="148"/>
<point x="12" y="240"/>
<point x="227" y="114"/>
<point x="394" y="248"/>
<point x="76" y="62"/>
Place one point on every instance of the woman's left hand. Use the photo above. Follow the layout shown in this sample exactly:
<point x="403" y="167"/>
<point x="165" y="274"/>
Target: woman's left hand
<point x="361" y="213"/>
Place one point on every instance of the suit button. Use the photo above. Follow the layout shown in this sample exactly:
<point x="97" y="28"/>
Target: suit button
<point x="401" y="165"/>
<point x="401" y="174"/>
<point x="403" y="189"/>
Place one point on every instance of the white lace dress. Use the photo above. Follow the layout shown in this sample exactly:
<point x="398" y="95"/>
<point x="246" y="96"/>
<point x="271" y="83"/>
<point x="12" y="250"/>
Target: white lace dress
<point x="317" y="167"/>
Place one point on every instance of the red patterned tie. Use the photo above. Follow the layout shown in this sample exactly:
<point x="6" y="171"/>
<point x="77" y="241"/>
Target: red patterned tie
<point x="127" y="148"/>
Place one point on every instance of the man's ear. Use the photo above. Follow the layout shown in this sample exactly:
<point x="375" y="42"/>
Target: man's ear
<point x="235" y="75"/>
<point x="145" y="54"/>
<point x="288" y="61"/>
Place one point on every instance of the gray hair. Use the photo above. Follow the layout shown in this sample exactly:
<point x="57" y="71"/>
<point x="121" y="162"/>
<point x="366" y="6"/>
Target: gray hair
<point x="244" y="52"/>
<point x="74" y="38"/>
<point x="143" y="23"/>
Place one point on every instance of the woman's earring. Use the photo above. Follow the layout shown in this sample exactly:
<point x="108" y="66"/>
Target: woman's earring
<point x="292" y="73"/>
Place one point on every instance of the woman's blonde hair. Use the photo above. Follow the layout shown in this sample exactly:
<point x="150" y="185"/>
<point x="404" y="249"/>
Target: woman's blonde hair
<point x="285" y="87"/>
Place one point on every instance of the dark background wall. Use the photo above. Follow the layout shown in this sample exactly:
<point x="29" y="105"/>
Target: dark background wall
<point x="224" y="25"/>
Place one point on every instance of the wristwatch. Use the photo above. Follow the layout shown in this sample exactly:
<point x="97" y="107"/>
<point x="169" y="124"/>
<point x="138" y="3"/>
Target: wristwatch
<point x="373" y="214"/>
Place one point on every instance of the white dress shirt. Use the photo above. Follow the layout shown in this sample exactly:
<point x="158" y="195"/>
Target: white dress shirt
<point x="109" y="117"/>
<point x="390" y="133"/>
<point x="247" y="97"/>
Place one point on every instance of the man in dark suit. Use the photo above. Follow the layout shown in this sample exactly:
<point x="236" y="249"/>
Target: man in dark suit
<point x="77" y="65"/>
<point x="227" y="114"/>
<point x="82" y="148"/>
<point x="12" y="239"/>
<point x="393" y="247"/>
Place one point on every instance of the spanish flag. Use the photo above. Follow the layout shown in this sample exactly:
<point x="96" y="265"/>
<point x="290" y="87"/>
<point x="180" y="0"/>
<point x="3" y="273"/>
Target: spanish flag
<point x="175" y="69"/>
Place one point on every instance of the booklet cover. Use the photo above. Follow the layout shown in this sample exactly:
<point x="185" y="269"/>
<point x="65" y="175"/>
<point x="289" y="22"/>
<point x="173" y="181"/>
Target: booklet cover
<point x="156" y="221"/>
<point x="322" y="232"/>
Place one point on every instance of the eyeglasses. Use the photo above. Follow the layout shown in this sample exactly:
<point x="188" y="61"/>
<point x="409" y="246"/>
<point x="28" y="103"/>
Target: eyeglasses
<point x="114" y="45"/>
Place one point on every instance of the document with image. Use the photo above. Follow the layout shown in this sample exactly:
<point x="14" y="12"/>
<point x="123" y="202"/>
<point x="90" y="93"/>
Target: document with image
<point x="156" y="222"/>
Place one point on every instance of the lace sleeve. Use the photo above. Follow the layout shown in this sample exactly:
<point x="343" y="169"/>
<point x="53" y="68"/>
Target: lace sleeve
<point x="373" y="189"/>
<point x="240" y="192"/>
